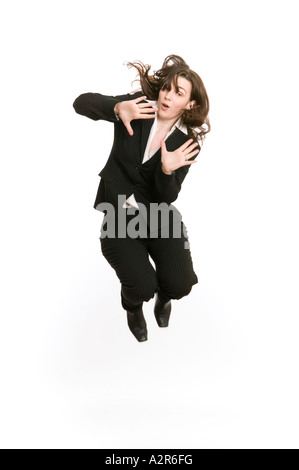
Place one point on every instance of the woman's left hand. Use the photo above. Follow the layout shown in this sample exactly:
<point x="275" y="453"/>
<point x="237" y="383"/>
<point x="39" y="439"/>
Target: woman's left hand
<point x="179" y="157"/>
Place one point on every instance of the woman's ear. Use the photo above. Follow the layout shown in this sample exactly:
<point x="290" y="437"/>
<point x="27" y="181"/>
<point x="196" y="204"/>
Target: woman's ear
<point x="190" y="105"/>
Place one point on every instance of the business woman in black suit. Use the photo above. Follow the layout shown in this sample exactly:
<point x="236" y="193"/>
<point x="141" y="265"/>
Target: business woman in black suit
<point x="155" y="143"/>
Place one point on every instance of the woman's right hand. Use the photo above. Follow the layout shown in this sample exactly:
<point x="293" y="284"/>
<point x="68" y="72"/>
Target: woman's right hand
<point x="132" y="109"/>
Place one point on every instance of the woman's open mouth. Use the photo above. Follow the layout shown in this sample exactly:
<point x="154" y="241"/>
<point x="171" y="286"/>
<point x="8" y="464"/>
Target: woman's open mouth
<point x="164" y="106"/>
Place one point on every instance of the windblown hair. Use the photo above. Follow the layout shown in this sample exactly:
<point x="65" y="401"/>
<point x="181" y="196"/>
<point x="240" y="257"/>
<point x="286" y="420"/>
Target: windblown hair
<point x="196" y="117"/>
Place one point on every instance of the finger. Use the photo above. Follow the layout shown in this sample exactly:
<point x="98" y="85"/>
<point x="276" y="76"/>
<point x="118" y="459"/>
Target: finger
<point x="186" y="144"/>
<point x="196" y="144"/>
<point x="129" y="129"/>
<point x="145" y="105"/>
<point x="141" y="98"/>
<point x="146" y="116"/>
<point x="147" y="110"/>
<point x="192" y="154"/>
<point x="189" y="163"/>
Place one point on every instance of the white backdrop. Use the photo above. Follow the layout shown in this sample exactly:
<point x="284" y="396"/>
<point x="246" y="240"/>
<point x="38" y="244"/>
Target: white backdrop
<point x="225" y="372"/>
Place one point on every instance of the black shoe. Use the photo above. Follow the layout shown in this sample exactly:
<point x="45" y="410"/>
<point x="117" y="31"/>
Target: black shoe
<point x="137" y="324"/>
<point x="162" y="311"/>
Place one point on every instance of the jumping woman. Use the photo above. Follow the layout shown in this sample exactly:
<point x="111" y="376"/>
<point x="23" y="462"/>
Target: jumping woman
<point x="158" y="132"/>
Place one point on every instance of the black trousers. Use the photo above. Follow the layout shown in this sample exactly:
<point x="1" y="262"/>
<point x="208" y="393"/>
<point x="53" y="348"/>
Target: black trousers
<point x="173" y="277"/>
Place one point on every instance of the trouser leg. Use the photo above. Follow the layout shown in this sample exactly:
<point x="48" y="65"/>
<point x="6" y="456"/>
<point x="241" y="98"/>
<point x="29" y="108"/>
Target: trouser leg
<point x="174" y="265"/>
<point x="129" y="258"/>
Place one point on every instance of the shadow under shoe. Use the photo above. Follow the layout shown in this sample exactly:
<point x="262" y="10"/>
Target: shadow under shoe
<point x="137" y="324"/>
<point x="162" y="310"/>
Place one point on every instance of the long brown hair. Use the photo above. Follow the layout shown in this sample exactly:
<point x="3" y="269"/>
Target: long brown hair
<point x="194" y="118"/>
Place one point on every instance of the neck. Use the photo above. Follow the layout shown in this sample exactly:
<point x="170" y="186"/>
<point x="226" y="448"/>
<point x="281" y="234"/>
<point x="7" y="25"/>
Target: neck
<point x="164" y="126"/>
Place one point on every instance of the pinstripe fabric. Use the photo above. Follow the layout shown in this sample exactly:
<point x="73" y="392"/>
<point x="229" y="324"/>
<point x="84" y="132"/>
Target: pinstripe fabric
<point x="148" y="182"/>
<point x="173" y="275"/>
<point x="124" y="174"/>
<point x="147" y="155"/>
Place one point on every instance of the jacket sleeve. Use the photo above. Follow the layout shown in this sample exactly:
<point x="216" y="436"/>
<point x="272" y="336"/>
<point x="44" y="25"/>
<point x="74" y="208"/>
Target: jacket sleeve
<point x="97" y="106"/>
<point x="167" y="187"/>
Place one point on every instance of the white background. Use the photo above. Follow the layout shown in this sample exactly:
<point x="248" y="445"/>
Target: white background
<point x="225" y="372"/>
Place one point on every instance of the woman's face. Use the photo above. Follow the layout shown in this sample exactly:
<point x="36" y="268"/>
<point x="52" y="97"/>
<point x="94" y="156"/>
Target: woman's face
<point x="171" y="104"/>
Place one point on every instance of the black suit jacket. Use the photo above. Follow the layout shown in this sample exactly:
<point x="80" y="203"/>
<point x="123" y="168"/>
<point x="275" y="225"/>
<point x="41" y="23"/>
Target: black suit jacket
<point x="124" y="173"/>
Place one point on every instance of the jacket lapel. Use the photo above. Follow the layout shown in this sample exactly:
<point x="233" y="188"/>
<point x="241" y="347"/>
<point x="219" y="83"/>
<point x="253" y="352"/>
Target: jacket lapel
<point x="173" y="141"/>
<point x="145" y="132"/>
